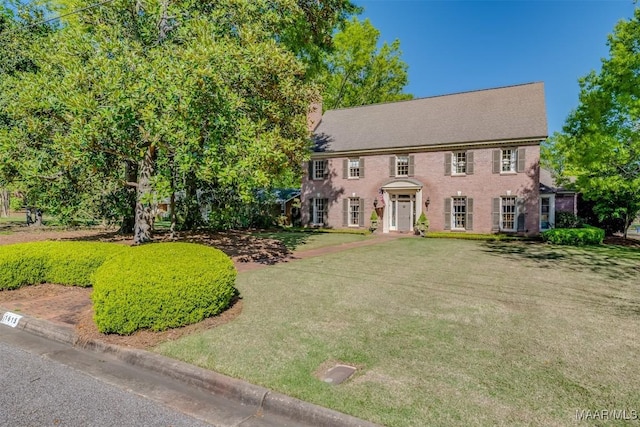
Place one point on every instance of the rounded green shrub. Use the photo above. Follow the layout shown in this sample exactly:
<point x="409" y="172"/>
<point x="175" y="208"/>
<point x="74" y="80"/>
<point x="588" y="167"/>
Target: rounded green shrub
<point x="160" y="286"/>
<point x="574" y="236"/>
<point x="73" y="263"/>
<point x="21" y="265"/>
<point x="64" y="263"/>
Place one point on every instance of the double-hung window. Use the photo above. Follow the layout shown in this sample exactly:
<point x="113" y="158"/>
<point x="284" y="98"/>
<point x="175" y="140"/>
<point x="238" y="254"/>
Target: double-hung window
<point x="458" y="163"/>
<point x="319" y="211"/>
<point x="402" y="165"/>
<point x="354" y="168"/>
<point x="508" y="213"/>
<point x="459" y="212"/>
<point x="319" y="170"/>
<point x="354" y="212"/>
<point x="508" y="160"/>
<point x="459" y="166"/>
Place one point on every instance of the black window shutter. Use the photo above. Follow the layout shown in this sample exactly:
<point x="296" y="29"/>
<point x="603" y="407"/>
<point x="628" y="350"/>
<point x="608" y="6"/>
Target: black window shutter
<point x="361" y="167"/>
<point x="447" y="213"/>
<point x="495" y="214"/>
<point x="345" y="212"/>
<point x="496" y="161"/>
<point x="310" y="211"/>
<point x="447" y="164"/>
<point x="392" y="166"/>
<point x="521" y="160"/>
<point x="469" y="159"/>
<point x="345" y="168"/>
<point x="412" y="165"/>
<point x="361" y="213"/>
<point x="469" y="222"/>
<point x="310" y="169"/>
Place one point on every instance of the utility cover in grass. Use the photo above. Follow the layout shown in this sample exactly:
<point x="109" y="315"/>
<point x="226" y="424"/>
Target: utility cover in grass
<point x="337" y="374"/>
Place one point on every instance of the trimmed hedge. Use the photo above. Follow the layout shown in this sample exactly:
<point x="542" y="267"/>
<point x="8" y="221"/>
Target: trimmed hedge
<point x="161" y="286"/>
<point x="574" y="236"/>
<point x="64" y="263"/>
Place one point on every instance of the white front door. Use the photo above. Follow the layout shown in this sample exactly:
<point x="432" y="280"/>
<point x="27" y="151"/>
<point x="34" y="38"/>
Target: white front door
<point x="402" y="212"/>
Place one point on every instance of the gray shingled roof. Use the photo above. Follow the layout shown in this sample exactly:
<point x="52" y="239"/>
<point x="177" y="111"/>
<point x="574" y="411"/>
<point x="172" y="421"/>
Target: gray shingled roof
<point x="506" y="113"/>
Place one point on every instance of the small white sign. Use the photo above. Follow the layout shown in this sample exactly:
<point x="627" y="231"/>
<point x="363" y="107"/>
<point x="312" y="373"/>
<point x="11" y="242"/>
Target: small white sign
<point x="11" y="319"/>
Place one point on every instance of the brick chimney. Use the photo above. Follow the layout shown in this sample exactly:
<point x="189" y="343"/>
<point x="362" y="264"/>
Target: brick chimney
<point x="314" y="115"/>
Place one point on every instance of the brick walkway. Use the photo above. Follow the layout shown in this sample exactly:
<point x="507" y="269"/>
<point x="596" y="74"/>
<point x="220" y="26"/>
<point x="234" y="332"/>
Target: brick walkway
<point x="65" y="305"/>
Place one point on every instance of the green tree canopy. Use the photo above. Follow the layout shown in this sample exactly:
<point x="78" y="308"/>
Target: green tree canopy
<point x="163" y="96"/>
<point x="600" y="143"/>
<point x="358" y="73"/>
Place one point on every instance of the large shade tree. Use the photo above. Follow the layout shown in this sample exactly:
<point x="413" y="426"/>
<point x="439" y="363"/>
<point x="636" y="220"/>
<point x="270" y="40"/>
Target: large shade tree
<point x="600" y="143"/>
<point x="20" y="26"/>
<point x="158" y="96"/>
<point x="358" y="72"/>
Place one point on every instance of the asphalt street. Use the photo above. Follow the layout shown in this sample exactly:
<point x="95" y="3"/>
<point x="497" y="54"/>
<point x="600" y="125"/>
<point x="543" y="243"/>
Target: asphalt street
<point x="47" y="383"/>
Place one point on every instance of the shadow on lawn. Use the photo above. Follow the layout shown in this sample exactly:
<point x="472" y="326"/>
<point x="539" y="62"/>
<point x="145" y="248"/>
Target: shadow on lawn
<point x="613" y="262"/>
<point x="239" y="245"/>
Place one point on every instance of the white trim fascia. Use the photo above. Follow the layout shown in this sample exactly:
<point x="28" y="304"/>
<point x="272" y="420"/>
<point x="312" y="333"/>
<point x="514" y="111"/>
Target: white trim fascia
<point x="428" y="148"/>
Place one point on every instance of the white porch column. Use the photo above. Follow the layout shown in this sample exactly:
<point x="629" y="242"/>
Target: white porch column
<point x="386" y="220"/>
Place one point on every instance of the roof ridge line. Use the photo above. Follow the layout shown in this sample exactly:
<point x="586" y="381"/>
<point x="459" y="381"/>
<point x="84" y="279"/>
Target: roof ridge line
<point x="437" y="96"/>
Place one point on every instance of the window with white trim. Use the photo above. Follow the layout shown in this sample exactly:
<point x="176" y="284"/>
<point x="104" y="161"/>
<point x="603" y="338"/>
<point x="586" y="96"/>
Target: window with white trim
<point x="354" y="168"/>
<point x="319" y="169"/>
<point x="459" y="166"/>
<point x="546" y="212"/>
<point x="354" y="212"/>
<point x="459" y="213"/>
<point x="319" y="211"/>
<point x="508" y="213"/>
<point x="402" y="165"/>
<point x="508" y="160"/>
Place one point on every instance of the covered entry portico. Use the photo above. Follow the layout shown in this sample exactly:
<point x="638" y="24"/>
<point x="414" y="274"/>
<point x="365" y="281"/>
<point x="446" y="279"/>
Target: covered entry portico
<point x="402" y="200"/>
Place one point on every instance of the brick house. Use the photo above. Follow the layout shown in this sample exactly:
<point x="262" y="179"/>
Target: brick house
<point x="469" y="160"/>
<point x="554" y="199"/>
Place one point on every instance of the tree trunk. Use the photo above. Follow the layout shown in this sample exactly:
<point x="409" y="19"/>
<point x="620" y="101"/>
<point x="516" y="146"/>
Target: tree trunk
<point x="4" y="203"/>
<point x="628" y="220"/>
<point x="172" y="200"/>
<point x="143" y="229"/>
<point x="129" y="217"/>
<point x="191" y="207"/>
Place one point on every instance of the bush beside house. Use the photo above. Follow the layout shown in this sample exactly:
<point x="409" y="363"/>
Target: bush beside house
<point x="574" y="236"/>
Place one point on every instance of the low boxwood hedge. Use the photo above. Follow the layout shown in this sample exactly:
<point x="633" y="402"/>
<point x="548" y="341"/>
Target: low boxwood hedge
<point x="574" y="236"/>
<point x="64" y="263"/>
<point x="161" y="286"/>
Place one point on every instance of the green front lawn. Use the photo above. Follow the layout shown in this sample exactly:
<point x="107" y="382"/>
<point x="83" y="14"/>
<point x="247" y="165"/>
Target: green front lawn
<point x="444" y="332"/>
<point x="304" y="241"/>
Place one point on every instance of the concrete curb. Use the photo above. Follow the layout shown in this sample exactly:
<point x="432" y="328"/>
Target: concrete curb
<point x="261" y="398"/>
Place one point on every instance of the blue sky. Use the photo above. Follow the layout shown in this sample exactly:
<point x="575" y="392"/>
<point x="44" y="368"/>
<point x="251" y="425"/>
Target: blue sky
<point x="456" y="46"/>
